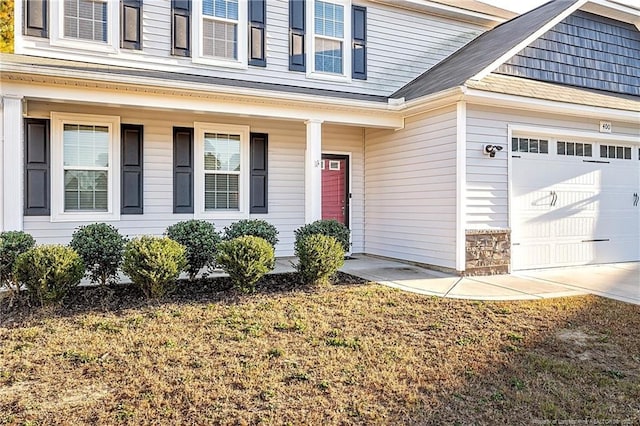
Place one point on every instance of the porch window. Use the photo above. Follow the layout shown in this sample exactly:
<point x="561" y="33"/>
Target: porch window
<point x="86" y="167"/>
<point x="85" y="184"/>
<point x="86" y="20"/>
<point x="221" y="170"/>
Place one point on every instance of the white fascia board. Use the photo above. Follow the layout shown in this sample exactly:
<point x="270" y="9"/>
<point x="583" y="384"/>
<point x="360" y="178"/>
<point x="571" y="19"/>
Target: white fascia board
<point x="501" y="100"/>
<point x="614" y="10"/>
<point x="187" y="100"/>
<point x="427" y="103"/>
<point x="444" y="10"/>
<point x="502" y="59"/>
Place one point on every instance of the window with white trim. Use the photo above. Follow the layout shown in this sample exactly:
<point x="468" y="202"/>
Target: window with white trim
<point x="612" y="151"/>
<point x="222" y="169"/>
<point x="330" y="47"/>
<point x="576" y="149"/>
<point x="85" y="182"/>
<point x="220" y="37"/>
<point x="85" y="24"/>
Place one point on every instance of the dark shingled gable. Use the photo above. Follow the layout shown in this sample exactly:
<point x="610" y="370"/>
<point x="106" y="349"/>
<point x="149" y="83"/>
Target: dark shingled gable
<point x="481" y="52"/>
<point x="584" y="50"/>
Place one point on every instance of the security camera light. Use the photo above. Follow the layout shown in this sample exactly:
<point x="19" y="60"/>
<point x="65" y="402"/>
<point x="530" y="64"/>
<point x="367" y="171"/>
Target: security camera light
<point x="491" y="150"/>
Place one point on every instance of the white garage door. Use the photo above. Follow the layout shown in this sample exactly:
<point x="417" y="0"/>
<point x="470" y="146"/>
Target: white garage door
<point x="574" y="203"/>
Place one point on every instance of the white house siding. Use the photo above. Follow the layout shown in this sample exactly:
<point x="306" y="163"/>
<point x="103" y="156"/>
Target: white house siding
<point x="286" y="173"/>
<point x="487" y="178"/>
<point x="410" y="190"/>
<point x="401" y="44"/>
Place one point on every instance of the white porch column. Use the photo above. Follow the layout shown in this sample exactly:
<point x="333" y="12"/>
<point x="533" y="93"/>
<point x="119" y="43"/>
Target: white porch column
<point x="312" y="172"/>
<point x="11" y="160"/>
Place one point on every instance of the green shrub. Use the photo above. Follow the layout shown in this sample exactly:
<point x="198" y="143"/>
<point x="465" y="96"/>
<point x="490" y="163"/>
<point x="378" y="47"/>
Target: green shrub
<point x="154" y="263"/>
<point x="256" y="227"/>
<point x="319" y="258"/>
<point x="200" y="239"/>
<point x="330" y="228"/>
<point x="101" y="247"/>
<point x="12" y="244"/>
<point x="246" y="259"/>
<point x="49" y="272"/>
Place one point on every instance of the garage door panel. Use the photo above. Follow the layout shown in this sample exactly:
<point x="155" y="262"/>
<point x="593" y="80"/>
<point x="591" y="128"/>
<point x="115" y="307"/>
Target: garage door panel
<point x="569" y="210"/>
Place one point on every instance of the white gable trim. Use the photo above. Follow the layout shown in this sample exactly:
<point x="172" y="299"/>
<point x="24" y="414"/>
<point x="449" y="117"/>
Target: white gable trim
<point x="513" y="51"/>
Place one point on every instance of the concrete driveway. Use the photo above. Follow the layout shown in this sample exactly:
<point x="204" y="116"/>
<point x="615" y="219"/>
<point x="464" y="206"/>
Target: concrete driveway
<point x="619" y="281"/>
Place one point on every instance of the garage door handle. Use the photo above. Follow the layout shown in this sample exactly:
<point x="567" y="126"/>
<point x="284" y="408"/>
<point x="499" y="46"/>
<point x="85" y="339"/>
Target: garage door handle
<point x="554" y="198"/>
<point x="636" y="198"/>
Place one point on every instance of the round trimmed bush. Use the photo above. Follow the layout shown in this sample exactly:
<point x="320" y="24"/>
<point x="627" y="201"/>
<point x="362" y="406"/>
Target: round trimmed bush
<point x="100" y="246"/>
<point x="12" y="245"/>
<point x="200" y="239"/>
<point x="49" y="272"/>
<point x="256" y="227"/>
<point x="246" y="259"/>
<point x="319" y="258"/>
<point x="330" y="228"/>
<point x="154" y="263"/>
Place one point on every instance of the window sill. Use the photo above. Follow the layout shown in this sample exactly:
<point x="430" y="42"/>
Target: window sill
<point x="85" y="217"/>
<point x="219" y="62"/>
<point x="338" y="78"/>
<point x="222" y="215"/>
<point x="76" y="44"/>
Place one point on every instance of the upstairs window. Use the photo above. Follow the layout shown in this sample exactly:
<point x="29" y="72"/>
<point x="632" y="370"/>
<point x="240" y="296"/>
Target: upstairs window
<point x="86" y="24"/>
<point x="220" y="29"/>
<point x="329" y="37"/>
<point x="86" y="20"/>
<point x="220" y="35"/>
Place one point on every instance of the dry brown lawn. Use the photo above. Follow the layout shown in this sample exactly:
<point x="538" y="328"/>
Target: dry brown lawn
<point x="347" y="354"/>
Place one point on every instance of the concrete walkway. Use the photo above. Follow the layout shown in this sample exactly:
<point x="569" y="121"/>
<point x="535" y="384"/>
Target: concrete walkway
<point x="619" y="281"/>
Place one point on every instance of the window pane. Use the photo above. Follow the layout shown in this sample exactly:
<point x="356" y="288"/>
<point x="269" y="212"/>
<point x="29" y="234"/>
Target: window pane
<point x="222" y="152"/>
<point x="524" y="145"/>
<point x="627" y="153"/>
<point x="544" y="147"/>
<point x="533" y="146"/>
<point x="221" y="191"/>
<point x="561" y="148"/>
<point x="587" y="150"/>
<point x="329" y="19"/>
<point x="85" y="20"/>
<point x="514" y="144"/>
<point x="603" y="151"/>
<point x="571" y="148"/>
<point x="219" y="39"/>
<point x="85" y="190"/>
<point x="227" y="9"/>
<point x="619" y="152"/>
<point x="85" y="145"/>
<point x="580" y="149"/>
<point x="328" y="57"/>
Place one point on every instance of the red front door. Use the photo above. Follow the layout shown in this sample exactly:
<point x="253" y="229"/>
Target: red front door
<point x="335" y="201"/>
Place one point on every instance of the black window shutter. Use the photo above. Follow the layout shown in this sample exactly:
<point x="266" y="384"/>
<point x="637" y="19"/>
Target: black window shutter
<point x="296" y="35"/>
<point x="36" y="18"/>
<point x="132" y="164"/>
<point x="183" y="170"/>
<point x="258" y="185"/>
<point x="257" y="31"/>
<point x="131" y="24"/>
<point x="359" y="53"/>
<point x="181" y="27"/>
<point x="36" y="167"/>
